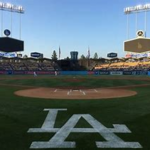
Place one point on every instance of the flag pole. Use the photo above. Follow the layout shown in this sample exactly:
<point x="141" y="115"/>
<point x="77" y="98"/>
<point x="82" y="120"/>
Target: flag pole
<point x="59" y="52"/>
<point x="88" y="56"/>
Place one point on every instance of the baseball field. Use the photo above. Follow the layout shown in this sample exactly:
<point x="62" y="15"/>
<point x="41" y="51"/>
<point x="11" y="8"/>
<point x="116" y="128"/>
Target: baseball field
<point x="74" y="112"/>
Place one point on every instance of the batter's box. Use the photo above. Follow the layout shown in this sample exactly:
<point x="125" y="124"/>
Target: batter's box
<point x="92" y="91"/>
<point x="76" y="92"/>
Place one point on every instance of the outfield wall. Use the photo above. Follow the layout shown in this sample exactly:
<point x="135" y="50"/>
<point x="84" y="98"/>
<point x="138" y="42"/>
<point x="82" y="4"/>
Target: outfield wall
<point x="11" y="72"/>
<point x="123" y="72"/>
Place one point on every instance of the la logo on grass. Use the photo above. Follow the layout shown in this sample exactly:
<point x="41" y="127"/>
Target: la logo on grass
<point x="59" y="138"/>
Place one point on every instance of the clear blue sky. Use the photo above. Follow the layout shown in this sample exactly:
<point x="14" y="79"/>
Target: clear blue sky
<point x="75" y="25"/>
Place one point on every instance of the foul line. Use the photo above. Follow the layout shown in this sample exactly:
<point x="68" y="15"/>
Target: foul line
<point x="55" y="90"/>
<point x="83" y="92"/>
<point x="95" y="90"/>
<point x="68" y="93"/>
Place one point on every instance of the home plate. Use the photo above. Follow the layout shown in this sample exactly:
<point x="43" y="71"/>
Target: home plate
<point x="76" y="92"/>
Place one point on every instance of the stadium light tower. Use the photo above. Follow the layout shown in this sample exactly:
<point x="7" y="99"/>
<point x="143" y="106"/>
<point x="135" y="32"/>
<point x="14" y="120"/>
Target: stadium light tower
<point x="13" y="9"/>
<point x="137" y="9"/>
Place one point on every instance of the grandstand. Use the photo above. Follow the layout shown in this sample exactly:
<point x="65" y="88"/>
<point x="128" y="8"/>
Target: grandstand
<point x="28" y="64"/>
<point x="44" y="64"/>
<point x="125" y="64"/>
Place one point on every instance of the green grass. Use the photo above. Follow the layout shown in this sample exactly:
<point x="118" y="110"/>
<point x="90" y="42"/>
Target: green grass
<point x="67" y="81"/>
<point x="18" y="114"/>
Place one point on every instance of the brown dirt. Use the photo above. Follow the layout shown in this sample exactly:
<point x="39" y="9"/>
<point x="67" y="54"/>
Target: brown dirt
<point x="52" y="93"/>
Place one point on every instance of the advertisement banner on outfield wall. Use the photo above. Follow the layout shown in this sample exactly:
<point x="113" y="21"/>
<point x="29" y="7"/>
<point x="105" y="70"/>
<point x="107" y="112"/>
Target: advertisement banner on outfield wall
<point x="116" y="73"/>
<point x="40" y="72"/>
<point x="9" y="72"/>
<point x="127" y="72"/>
<point x="96" y="72"/>
<point x="46" y="72"/>
<point x="74" y="73"/>
<point x="139" y="72"/>
<point x="18" y="72"/>
<point x="104" y="73"/>
<point x="90" y="72"/>
<point x="3" y="72"/>
<point x="135" y="73"/>
<point x="29" y="72"/>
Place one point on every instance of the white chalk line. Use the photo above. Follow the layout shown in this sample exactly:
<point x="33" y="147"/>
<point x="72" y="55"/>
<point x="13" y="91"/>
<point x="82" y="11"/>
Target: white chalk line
<point x="55" y="90"/>
<point x="68" y="93"/>
<point x="95" y="90"/>
<point x="83" y="92"/>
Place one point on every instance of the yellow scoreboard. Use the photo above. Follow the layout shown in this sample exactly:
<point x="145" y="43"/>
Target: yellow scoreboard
<point x="137" y="45"/>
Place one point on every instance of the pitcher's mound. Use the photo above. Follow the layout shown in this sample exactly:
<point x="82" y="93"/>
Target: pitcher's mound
<point x="54" y="93"/>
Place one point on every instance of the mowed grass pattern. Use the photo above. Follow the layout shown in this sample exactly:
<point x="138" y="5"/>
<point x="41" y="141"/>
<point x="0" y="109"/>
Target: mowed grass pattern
<point x="18" y="114"/>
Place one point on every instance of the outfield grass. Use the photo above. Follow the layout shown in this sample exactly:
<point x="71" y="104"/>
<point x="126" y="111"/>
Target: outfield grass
<point x="72" y="81"/>
<point x="18" y="114"/>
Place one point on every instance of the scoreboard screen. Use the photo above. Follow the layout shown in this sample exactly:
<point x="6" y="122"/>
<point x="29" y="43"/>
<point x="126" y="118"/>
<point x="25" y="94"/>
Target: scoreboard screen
<point x="138" y="45"/>
<point x="8" y="44"/>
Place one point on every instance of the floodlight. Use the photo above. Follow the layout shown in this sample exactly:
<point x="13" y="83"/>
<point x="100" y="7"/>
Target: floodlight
<point x="147" y="6"/>
<point x="8" y="5"/>
<point x="137" y="8"/>
<point x="11" y="7"/>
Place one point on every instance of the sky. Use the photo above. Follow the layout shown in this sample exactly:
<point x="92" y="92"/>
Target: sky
<point x="74" y="25"/>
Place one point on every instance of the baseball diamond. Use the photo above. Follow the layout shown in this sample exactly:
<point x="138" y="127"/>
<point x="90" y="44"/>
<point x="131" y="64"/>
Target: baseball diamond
<point x="109" y="100"/>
